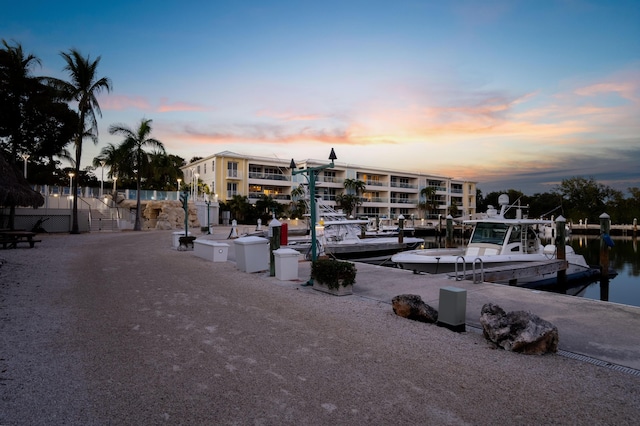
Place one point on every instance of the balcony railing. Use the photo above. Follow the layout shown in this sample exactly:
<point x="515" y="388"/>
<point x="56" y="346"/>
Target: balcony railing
<point x="258" y="195"/>
<point x="375" y="200"/>
<point x="234" y="174"/>
<point x="403" y="185"/>
<point x="269" y="176"/>
<point x="404" y="201"/>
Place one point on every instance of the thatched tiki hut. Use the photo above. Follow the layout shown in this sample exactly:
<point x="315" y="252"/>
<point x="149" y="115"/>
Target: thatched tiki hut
<point x="15" y="191"/>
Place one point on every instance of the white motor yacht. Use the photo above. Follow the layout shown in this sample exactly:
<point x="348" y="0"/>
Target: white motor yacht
<point x="496" y="241"/>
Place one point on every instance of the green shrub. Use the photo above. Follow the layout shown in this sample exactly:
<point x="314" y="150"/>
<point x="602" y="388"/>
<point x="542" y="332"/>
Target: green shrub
<point x="334" y="273"/>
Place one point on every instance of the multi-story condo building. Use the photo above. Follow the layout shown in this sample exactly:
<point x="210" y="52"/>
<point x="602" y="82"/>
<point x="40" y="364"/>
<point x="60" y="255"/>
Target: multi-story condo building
<point x="387" y="194"/>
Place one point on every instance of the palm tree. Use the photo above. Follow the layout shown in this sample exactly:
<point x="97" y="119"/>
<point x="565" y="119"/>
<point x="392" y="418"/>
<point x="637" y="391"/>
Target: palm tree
<point x="350" y="201"/>
<point x="83" y="89"/>
<point x="113" y="157"/>
<point x="134" y="144"/>
<point x="298" y="202"/>
<point x="427" y="192"/>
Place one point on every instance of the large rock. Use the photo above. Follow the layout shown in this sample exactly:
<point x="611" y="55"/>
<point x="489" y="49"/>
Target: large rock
<point x="518" y="331"/>
<point x="412" y="307"/>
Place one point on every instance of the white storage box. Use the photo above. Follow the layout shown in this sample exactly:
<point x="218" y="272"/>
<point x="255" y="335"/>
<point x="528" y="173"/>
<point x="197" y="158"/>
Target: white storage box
<point x="211" y="250"/>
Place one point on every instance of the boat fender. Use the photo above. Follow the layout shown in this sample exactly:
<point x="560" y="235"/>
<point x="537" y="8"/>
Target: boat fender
<point x="607" y="240"/>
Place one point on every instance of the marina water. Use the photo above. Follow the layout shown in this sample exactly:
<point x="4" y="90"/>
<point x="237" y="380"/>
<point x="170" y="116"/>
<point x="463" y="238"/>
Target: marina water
<point x="624" y="259"/>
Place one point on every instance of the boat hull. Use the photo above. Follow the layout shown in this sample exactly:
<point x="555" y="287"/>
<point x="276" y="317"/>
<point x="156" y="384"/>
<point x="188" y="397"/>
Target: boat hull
<point x="452" y="261"/>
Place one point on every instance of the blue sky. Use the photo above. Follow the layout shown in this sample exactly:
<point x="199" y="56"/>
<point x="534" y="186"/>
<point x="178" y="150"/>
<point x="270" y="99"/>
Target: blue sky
<point x="512" y="94"/>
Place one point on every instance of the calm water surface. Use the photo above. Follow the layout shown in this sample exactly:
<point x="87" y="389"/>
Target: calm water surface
<point x="623" y="258"/>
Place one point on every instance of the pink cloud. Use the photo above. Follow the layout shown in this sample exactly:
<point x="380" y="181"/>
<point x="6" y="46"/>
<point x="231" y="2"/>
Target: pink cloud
<point x="290" y="116"/>
<point x="122" y="102"/>
<point x="166" y="106"/>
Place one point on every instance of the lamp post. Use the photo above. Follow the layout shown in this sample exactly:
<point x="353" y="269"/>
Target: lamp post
<point x="25" y="157"/>
<point x="115" y="178"/>
<point x="196" y="190"/>
<point x="311" y="174"/>
<point x="71" y="175"/>
<point x="102" y="163"/>
<point x="208" y="203"/>
<point x="179" y="180"/>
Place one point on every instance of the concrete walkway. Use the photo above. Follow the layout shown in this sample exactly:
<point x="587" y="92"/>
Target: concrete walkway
<point x="601" y="330"/>
<point x="121" y="329"/>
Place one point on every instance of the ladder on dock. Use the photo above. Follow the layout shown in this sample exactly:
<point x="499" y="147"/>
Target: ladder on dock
<point x="511" y="273"/>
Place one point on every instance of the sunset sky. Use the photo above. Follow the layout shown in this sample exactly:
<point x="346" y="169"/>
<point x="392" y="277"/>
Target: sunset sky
<point x="512" y="94"/>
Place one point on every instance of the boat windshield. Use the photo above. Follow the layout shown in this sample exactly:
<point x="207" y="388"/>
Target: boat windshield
<point x="492" y="233"/>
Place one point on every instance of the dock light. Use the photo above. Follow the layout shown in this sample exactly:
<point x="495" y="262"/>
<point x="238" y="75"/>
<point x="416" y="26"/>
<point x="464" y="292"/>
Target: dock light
<point x="311" y="174"/>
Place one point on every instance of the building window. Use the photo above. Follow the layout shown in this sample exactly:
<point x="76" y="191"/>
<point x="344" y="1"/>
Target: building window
<point x="232" y="189"/>
<point x="232" y="169"/>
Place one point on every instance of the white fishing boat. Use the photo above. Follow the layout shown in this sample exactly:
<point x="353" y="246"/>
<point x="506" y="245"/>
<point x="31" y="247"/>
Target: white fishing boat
<point x="496" y="241"/>
<point x="345" y="238"/>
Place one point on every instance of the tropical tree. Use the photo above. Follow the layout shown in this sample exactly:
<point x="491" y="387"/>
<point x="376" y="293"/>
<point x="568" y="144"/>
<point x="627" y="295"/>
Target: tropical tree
<point x="585" y="197"/>
<point x="84" y="87"/>
<point x="348" y="202"/>
<point x="164" y="171"/>
<point x="351" y="200"/>
<point x="134" y="144"/>
<point x="429" y="203"/>
<point x="298" y="203"/>
<point x="238" y="206"/>
<point x="113" y="157"/>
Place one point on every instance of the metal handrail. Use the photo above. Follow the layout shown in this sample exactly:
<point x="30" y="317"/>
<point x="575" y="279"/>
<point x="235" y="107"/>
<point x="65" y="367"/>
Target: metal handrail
<point x="481" y="270"/>
<point x="464" y="268"/>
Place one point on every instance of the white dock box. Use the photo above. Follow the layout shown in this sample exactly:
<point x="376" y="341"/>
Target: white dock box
<point x="286" y="263"/>
<point x="211" y="250"/>
<point x="252" y="254"/>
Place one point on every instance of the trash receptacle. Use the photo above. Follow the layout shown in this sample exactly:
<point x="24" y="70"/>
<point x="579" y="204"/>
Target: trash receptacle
<point x="176" y="238"/>
<point x="286" y="262"/>
<point x="252" y="254"/>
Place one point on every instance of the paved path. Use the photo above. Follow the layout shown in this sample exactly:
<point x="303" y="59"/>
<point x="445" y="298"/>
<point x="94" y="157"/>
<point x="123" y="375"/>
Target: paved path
<point x="122" y="329"/>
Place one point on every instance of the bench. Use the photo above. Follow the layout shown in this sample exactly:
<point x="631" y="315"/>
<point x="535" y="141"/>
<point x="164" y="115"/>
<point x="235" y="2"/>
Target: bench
<point x="211" y="250"/>
<point x="13" y="242"/>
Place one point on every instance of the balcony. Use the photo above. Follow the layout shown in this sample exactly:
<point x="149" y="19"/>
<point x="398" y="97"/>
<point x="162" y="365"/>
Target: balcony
<point x="269" y="176"/>
<point x="234" y="174"/>
<point x="403" y="185"/>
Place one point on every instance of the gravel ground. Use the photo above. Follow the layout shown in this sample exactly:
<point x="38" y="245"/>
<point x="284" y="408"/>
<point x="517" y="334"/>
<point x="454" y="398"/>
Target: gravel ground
<point x="100" y="329"/>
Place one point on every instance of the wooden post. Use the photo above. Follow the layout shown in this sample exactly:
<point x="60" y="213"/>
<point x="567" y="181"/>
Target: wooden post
<point x="605" y="227"/>
<point x="561" y="252"/>
<point x="449" y="240"/>
<point x="400" y="229"/>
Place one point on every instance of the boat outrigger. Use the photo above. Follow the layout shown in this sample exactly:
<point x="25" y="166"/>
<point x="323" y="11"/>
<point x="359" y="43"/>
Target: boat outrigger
<point x="346" y="239"/>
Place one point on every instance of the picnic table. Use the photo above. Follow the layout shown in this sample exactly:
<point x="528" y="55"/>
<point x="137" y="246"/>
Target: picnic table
<point x="11" y="239"/>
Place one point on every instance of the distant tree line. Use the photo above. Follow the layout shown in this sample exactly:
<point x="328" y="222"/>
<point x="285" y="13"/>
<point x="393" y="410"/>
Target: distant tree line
<point x="576" y="198"/>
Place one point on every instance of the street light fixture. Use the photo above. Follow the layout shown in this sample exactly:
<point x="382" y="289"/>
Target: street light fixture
<point x="311" y="174"/>
<point x="179" y="180"/>
<point x="25" y="157"/>
<point x="71" y="175"/>
<point x="102" y="163"/>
